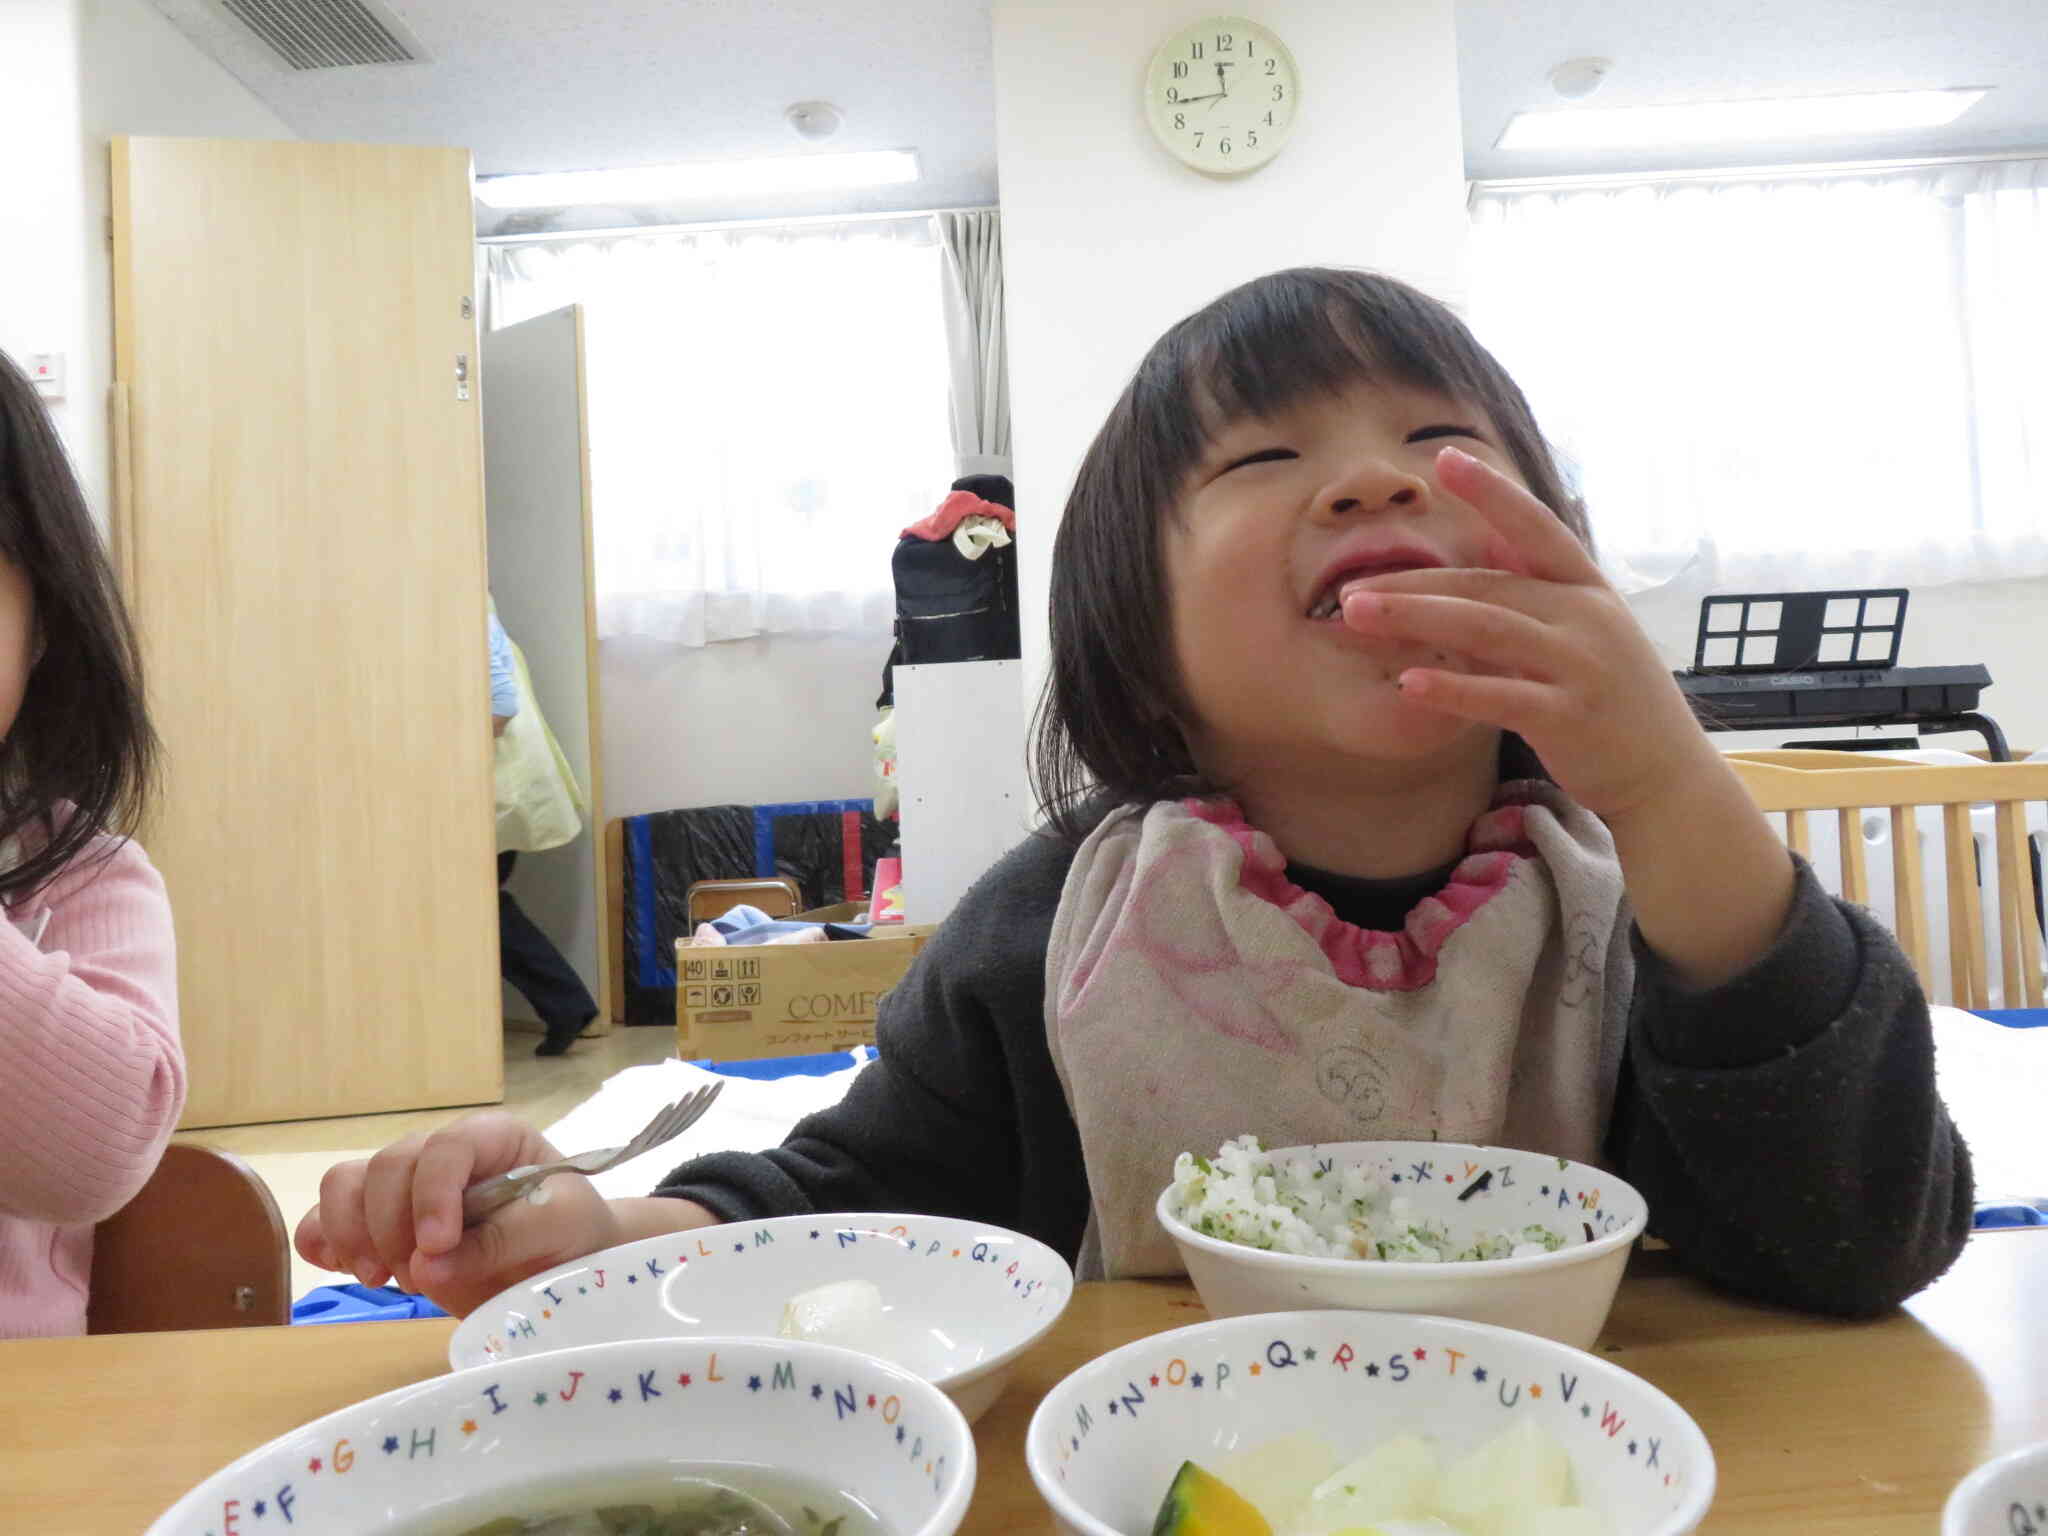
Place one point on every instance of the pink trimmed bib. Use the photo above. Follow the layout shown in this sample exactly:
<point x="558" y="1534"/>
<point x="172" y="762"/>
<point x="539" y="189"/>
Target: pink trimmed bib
<point x="1194" y="993"/>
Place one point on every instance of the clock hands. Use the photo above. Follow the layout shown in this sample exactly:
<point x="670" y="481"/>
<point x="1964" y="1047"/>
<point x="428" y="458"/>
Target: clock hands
<point x="1222" y="93"/>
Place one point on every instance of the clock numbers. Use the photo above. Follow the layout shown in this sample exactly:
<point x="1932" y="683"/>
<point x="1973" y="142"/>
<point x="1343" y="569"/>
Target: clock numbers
<point x="1200" y="99"/>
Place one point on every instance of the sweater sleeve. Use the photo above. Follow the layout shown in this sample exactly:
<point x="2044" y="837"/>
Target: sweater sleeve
<point x="961" y="1113"/>
<point x="89" y="1041"/>
<point x="1785" y="1128"/>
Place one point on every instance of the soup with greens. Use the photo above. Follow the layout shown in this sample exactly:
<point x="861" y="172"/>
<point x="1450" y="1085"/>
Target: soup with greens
<point x="699" y="1500"/>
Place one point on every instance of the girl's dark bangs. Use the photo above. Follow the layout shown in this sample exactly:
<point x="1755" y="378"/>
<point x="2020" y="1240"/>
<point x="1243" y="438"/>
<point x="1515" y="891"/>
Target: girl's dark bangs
<point x="1259" y="352"/>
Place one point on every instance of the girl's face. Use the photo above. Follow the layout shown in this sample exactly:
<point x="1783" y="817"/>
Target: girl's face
<point x="1280" y="514"/>
<point x="17" y="639"/>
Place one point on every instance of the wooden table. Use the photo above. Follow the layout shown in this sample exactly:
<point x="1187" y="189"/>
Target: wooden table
<point x="1817" y="1426"/>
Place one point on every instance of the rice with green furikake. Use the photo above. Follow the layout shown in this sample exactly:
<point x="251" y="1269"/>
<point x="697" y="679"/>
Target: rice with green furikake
<point x="1243" y="1196"/>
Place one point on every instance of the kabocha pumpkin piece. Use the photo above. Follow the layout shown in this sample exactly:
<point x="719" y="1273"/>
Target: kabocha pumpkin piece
<point x="1201" y="1504"/>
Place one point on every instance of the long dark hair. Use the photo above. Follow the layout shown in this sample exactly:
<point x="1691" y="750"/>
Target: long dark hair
<point x="82" y="734"/>
<point x="1106" y="721"/>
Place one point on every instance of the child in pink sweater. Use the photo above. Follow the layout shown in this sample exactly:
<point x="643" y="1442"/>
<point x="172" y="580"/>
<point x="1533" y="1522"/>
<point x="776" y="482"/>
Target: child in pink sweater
<point x="89" y="1054"/>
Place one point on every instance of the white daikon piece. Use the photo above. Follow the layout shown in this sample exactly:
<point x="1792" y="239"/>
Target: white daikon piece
<point x="846" y="1312"/>
<point x="1396" y="1480"/>
<point x="1276" y="1477"/>
<point x="1569" y="1520"/>
<point x="1517" y="1471"/>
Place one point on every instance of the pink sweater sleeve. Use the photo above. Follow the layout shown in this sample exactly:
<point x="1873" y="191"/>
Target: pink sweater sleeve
<point x="89" y="1049"/>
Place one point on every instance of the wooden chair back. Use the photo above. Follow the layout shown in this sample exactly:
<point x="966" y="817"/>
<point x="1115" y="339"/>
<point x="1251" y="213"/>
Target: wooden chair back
<point x="1794" y="784"/>
<point x="777" y="895"/>
<point x="202" y="1246"/>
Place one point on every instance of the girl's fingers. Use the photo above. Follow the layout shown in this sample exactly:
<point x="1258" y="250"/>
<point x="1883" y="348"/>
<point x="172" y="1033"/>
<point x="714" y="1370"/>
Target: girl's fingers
<point x="457" y="1156"/>
<point x="1487" y="633"/>
<point x="440" y="1176"/>
<point x="1511" y="703"/>
<point x="310" y="1239"/>
<point x="387" y="1207"/>
<point x="1544" y="600"/>
<point x="342" y="1234"/>
<point x="1537" y="542"/>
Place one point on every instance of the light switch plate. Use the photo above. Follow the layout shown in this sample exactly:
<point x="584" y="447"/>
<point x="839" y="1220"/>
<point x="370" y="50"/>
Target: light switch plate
<point x="47" y="370"/>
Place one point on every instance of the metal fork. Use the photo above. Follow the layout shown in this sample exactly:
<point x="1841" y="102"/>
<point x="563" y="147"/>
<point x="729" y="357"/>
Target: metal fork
<point x="479" y="1200"/>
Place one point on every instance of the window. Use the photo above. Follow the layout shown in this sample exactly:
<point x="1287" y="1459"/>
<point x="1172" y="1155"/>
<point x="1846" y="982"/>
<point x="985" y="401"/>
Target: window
<point x="1805" y="379"/>
<point x="769" y="408"/>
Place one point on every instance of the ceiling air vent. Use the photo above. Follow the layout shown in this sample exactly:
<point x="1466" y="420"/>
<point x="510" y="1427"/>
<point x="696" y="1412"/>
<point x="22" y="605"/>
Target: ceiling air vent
<point x="326" y="34"/>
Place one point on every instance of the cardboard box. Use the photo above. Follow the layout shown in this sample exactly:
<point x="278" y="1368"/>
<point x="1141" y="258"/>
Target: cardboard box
<point x="736" y="1003"/>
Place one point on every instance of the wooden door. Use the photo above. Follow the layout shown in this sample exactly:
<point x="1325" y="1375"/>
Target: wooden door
<point x="302" y="536"/>
<point x="537" y="512"/>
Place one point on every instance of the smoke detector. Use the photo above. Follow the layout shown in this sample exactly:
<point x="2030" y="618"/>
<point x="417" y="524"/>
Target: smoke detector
<point x="814" y="119"/>
<point x="1575" y="78"/>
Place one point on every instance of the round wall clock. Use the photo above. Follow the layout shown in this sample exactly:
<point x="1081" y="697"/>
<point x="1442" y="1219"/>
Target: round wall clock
<point x="1221" y="94"/>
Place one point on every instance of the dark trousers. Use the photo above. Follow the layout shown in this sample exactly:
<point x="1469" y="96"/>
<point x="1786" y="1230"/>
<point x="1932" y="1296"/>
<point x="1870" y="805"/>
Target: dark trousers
<point x="528" y="959"/>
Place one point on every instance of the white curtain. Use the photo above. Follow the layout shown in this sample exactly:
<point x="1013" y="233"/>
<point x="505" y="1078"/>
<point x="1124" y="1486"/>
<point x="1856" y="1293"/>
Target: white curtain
<point x="768" y="411"/>
<point x="1804" y="381"/>
<point x="974" y="331"/>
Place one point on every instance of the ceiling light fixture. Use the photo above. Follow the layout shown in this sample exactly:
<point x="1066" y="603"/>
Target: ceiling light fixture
<point x="700" y="178"/>
<point x="1735" y="122"/>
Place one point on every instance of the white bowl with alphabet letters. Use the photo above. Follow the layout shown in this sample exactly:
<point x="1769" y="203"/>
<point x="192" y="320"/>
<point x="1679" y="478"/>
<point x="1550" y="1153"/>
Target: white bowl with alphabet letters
<point x="959" y="1300"/>
<point x="1106" y="1442"/>
<point x="2005" y="1497"/>
<point x="1463" y="1191"/>
<point x="607" y="1424"/>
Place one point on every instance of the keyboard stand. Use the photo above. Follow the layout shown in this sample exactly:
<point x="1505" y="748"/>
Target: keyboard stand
<point x="1982" y="724"/>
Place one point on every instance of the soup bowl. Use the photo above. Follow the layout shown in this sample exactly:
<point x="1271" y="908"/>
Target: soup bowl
<point x="2004" y="1497"/>
<point x="960" y="1300"/>
<point x="536" y="1436"/>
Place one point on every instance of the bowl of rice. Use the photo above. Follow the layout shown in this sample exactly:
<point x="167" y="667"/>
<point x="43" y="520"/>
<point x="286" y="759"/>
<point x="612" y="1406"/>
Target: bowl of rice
<point x="1490" y="1234"/>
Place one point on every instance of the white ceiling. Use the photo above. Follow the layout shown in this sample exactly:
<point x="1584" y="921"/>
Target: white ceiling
<point x="1712" y="50"/>
<point x="571" y="84"/>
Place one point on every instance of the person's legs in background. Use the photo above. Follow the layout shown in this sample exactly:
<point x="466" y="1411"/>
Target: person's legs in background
<point x="528" y="959"/>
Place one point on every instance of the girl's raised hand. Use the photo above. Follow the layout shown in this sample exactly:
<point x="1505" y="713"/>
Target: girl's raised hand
<point x="1559" y="659"/>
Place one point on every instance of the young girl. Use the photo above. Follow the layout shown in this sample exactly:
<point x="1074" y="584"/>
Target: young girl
<point x="1374" y="815"/>
<point x="88" y="981"/>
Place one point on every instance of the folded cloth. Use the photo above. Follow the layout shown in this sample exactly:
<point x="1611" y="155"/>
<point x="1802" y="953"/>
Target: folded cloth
<point x="1993" y="1080"/>
<point x="956" y="509"/>
<point x="749" y="1115"/>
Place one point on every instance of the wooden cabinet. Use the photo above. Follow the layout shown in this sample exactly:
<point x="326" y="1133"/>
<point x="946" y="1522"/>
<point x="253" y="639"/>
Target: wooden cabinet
<point x="299" y="523"/>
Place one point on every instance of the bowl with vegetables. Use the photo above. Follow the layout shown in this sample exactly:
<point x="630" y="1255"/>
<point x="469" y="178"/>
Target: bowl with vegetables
<point x="2003" y="1497"/>
<point x="646" y="1437"/>
<point x="956" y="1302"/>
<point x="1489" y="1234"/>
<point x="1324" y="1422"/>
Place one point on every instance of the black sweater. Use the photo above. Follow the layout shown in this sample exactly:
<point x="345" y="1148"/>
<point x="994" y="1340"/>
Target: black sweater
<point x="1784" y="1127"/>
